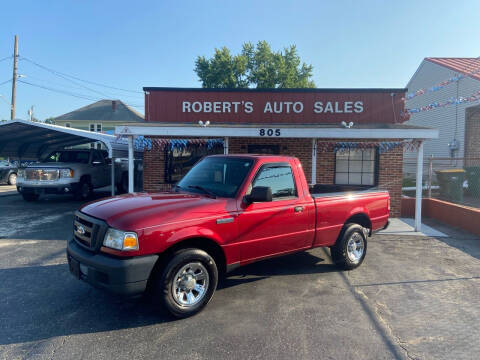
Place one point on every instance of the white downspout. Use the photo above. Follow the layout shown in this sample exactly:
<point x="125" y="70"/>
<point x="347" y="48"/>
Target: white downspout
<point x="225" y="145"/>
<point x="112" y="174"/>
<point x="314" y="161"/>
<point x="418" y="193"/>
<point x="130" y="164"/>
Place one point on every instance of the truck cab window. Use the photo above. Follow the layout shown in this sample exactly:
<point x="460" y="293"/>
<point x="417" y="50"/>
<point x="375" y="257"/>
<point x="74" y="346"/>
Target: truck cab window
<point x="279" y="178"/>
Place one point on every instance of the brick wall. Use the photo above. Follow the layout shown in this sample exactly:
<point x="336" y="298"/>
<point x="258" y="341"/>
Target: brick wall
<point x="390" y="165"/>
<point x="390" y="178"/>
<point x="472" y="134"/>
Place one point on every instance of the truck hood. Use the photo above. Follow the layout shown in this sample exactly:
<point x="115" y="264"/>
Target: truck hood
<point x="142" y="210"/>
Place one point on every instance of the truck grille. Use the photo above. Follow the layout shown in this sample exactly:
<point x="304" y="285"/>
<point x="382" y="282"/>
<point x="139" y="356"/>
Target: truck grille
<point x="41" y="174"/>
<point x="89" y="232"/>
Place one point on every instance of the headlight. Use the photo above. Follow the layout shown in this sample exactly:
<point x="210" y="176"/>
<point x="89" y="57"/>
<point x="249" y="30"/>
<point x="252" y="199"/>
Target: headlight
<point x="120" y="240"/>
<point x="66" y="173"/>
<point x="21" y="173"/>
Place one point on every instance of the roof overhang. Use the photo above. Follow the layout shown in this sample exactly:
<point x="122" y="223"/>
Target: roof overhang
<point x="379" y="131"/>
<point x="30" y="140"/>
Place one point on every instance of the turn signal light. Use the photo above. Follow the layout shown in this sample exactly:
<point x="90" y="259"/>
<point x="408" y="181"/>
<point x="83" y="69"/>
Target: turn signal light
<point x="130" y="242"/>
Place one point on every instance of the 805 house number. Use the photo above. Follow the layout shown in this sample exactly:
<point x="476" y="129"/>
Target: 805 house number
<point x="269" y="132"/>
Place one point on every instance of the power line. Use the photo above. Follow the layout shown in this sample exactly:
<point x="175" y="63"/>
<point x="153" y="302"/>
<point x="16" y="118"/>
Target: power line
<point x="76" y="78"/>
<point x="81" y="96"/>
<point x="27" y="75"/>
<point x="6" y="81"/>
<point x="6" y="58"/>
<point x="68" y="93"/>
<point x="64" y="77"/>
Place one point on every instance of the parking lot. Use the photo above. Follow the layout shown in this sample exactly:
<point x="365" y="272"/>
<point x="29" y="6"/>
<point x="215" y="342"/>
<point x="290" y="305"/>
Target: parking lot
<point x="413" y="298"/>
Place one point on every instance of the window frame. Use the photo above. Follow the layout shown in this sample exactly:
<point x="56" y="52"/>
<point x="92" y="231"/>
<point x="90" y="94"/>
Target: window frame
<point x="376" y="162"/>
<point x="276" y="164"/>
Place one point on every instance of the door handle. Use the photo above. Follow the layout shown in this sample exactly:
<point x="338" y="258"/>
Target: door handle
<point x="298" y="209"/>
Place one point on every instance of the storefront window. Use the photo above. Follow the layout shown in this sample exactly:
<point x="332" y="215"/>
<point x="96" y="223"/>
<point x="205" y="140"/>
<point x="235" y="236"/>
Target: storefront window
<point x="356" y="167"/>
<point x="179" y="160"/>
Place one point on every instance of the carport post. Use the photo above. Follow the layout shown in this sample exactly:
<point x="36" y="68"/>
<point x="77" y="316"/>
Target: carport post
<point x="113" y="175"/>
<point x="130" y="164"/>
<point x="418" y="194"/>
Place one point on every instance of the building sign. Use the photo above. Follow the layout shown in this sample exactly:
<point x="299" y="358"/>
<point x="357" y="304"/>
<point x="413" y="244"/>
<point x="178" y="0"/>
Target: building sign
<point x="271" y="107"/>
<point x="307" y="106"/>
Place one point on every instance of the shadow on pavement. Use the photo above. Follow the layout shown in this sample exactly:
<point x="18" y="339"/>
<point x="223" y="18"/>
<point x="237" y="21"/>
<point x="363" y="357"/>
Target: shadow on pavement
<point x="40" y="302"/>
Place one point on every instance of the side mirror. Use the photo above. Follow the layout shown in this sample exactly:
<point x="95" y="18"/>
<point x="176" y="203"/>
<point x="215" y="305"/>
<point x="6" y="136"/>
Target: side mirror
<point x="259" y="194"/>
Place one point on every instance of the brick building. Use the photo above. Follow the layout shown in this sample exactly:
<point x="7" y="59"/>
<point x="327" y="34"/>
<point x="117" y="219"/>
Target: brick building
<point x="354" y="138"/>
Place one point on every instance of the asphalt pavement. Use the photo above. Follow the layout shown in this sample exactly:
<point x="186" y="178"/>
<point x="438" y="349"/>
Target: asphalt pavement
<point x="413" y="298"/>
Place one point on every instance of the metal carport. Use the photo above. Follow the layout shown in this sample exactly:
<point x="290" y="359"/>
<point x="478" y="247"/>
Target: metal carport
<point x="27" y="140"/>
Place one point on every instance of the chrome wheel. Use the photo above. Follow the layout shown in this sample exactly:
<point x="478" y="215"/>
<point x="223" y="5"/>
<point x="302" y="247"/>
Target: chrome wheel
<point x="355" y="247"/>
<point x="190" y="284"/>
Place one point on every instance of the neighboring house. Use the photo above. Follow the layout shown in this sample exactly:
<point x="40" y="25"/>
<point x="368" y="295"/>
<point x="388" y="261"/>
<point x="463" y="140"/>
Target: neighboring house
<point x="459" y="124"/>
<point x="101" y="116"/>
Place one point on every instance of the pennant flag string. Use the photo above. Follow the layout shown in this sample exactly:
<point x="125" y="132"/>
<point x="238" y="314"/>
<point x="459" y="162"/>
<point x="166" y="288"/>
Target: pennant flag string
<point x="442" y="84"/>
<point x="451" y="101"/>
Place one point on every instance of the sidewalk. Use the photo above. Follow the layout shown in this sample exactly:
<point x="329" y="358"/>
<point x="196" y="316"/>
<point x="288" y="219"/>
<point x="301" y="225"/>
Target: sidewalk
<point x="6" y="190"/>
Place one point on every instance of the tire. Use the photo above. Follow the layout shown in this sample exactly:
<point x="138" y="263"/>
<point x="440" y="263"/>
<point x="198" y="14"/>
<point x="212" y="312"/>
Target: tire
<point x="179" y="273"/>
<point x="84" y="190"/>
<point x="351" y="247"/>
<point x="12" y="179"/>
<point x="30" y="197"/>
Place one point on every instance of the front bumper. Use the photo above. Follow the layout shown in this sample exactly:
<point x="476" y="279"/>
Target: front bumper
<point x="70" y="188"/>
<point x="126" y="277"/>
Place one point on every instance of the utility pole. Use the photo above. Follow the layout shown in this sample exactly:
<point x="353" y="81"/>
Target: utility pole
<point x="14" y="80"/>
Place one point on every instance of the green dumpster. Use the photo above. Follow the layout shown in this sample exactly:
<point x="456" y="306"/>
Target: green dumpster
<point x="451" y="184"/>
<point x="473" y="178"/>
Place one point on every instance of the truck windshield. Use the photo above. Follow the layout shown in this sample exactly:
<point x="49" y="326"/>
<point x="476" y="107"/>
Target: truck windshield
<point x="219" y="176"/>
<point x="68" y="156"/>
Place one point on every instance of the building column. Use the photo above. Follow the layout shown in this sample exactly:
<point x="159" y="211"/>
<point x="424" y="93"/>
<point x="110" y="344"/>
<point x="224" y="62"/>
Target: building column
<point x="314" y="161"/>
<point x="419" y="188"/>
<point x="225" y="145"/>
<point x="130" y="164"/>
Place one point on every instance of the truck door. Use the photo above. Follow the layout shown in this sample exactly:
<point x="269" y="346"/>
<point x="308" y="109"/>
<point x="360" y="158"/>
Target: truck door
<point x="279" y="226"/>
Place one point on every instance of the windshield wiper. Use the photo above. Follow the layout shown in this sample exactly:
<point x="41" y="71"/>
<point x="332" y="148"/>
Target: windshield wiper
<point x="206" y="191"/>
<point x="177" y="187"/>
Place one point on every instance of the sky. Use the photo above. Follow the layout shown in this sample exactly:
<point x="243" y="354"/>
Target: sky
<point x="132" y="44"/>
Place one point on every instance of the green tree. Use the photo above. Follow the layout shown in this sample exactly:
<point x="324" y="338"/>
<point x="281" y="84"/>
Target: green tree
<point x="50" y="120"/>
<point x="256" y="66"/>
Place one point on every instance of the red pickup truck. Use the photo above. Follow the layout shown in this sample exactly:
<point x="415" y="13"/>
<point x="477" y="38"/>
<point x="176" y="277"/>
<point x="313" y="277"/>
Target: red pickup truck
<point x="228" y="211"/>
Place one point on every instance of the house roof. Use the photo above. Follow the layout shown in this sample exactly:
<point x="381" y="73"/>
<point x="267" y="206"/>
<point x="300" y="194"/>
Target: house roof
<point x="104" y="110"/>
<point x="465" y="66"/>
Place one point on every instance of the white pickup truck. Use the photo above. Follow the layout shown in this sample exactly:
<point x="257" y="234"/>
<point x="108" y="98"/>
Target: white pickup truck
<point x="75" y="172"/>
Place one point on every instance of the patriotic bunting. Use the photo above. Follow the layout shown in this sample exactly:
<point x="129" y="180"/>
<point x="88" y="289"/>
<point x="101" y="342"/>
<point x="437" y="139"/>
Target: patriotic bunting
<point x="383" y="146"/>
<point x="142" y="143"/>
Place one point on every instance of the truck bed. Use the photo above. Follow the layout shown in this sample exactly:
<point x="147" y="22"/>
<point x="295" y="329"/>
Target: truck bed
<point x="335" y="204"/>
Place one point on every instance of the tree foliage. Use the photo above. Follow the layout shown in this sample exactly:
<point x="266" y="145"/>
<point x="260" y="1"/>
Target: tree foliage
<point x="256" y="66"/>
